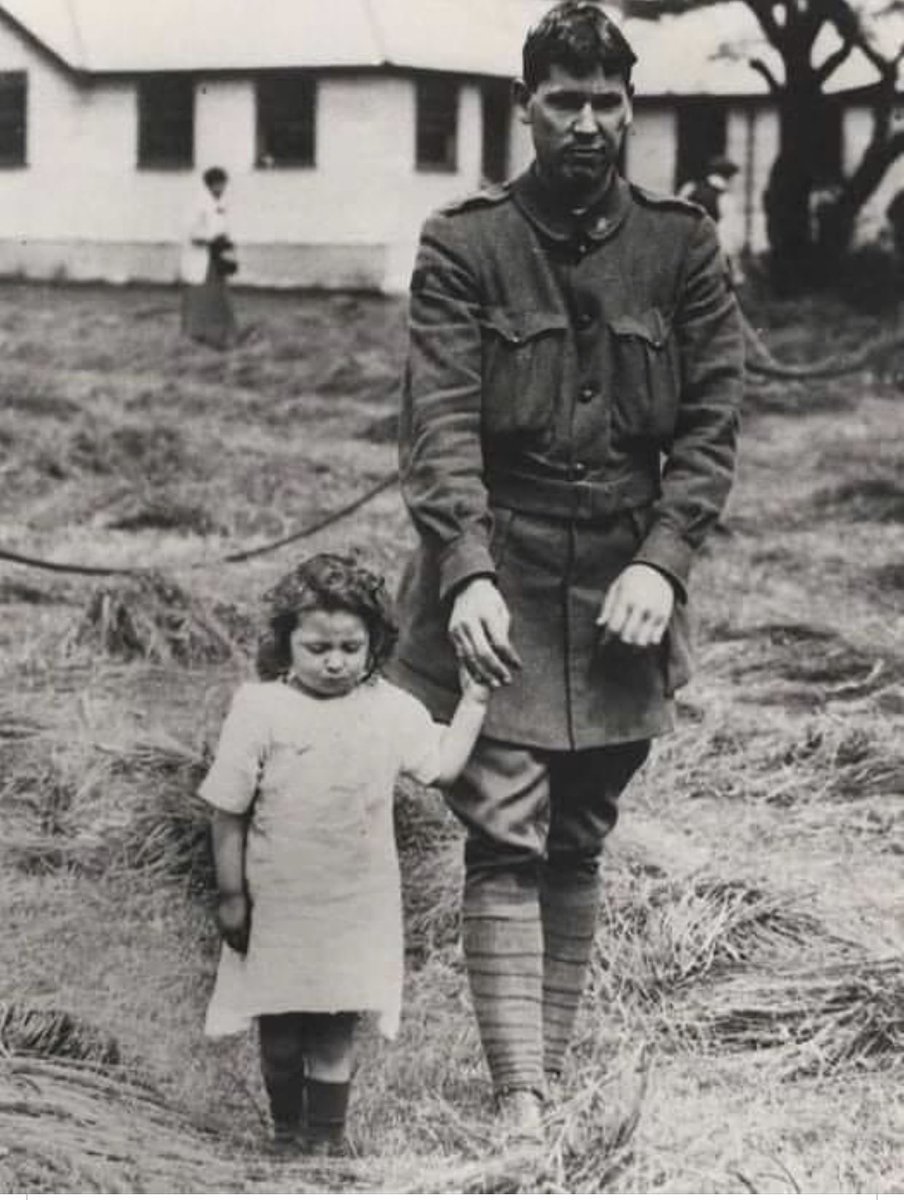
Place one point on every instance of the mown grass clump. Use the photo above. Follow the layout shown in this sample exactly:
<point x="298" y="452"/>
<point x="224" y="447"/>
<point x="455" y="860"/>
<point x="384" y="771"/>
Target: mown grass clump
<point x="841" y="1015"/>
<point x="149" y="616"/>
<point x="71" y="1126"/>
<point x="879" y="498"/>
<point x="429" y="840"/>
<point x="92" y="808"/>
<point x="52" y="1033"/>
<point x="162" y="510"/>
<point x="657" y="935"/>
<point x="19" y="591"/>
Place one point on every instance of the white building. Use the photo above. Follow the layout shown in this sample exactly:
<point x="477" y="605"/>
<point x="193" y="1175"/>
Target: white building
<point x="341" y="123"/>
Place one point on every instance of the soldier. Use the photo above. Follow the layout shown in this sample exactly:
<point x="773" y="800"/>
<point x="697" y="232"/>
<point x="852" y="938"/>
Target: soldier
<point x="568" y="438"/>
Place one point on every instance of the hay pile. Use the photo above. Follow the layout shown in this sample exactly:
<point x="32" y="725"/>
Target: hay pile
<point x="429" y="841"/>
<point x="52" y="1032"/>
<point x="149" y="616"/>
<point x="165" y="832"/>
<point x="656" y="935"/>
<point x="73" y="1127"/>
<point x="847" y="1014"/>
<point x="94" y="809"/>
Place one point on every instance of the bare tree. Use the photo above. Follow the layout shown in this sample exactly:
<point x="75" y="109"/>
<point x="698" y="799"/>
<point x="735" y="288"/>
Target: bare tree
<point x="793" y="29"/>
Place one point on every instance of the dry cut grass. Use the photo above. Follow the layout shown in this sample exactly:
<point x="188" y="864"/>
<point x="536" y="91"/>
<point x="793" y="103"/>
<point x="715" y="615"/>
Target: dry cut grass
<point x="731" y="1027"/>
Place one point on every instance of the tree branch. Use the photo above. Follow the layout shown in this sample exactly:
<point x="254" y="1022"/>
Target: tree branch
<point x="833" y="62"/>
<point x="763" y="11"/>
<point x="757" y="64"/>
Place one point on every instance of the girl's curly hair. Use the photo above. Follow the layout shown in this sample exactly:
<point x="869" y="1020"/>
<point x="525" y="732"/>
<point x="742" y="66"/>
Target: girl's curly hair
<point x="336" y="583"/>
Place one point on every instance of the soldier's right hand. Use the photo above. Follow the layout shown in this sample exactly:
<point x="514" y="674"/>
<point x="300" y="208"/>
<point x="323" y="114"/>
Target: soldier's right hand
<point x="479" y="631"/>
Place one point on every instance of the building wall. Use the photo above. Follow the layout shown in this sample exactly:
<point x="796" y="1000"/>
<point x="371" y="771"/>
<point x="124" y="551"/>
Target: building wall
<point x="82" y="209"/>
<point x="352" y="220"/>
<point x="650" y="154"/>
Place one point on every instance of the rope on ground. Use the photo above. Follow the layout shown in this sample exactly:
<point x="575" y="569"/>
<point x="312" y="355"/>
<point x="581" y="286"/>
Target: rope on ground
<point x="237" y="556"/>
<point x="760" y="360"/>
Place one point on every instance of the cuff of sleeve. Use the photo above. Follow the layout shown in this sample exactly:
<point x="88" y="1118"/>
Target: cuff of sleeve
<point x="669" y="553"/>
<point x="461" y="561"/>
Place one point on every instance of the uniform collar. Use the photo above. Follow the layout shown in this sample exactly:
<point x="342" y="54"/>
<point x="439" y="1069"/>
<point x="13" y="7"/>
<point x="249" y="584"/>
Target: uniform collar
<point x="543" y="208"/>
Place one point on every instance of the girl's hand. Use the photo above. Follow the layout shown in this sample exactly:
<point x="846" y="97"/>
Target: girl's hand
<point x="234" y="920"/>
<point x="472" y="689"/>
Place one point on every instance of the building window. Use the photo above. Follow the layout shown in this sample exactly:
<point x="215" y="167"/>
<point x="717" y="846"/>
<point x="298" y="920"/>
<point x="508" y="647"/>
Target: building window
<point x="166" y="121"/>
<point x="13" y="100"/>
<point x="437" y="125"/>
<point x="496" y="113"/>
<point x="286" y="120"/>
<point x="702" y="135"/>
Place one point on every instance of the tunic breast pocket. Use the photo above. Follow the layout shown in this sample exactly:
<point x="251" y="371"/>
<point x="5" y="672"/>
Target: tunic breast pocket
<point x="523" y="356"/>
<point x="646" y="375"/>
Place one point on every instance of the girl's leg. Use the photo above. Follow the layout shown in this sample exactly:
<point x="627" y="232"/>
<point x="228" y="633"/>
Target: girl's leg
<point x="282" y="1049"/>
<point x="329" y="1041"/>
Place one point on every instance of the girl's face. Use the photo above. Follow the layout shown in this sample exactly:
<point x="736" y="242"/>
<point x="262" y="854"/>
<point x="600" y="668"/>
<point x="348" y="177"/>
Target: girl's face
<point x="330" y="651"/>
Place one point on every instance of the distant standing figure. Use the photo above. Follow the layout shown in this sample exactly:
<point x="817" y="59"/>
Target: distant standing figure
<point x="208" y="259"/>
<point x="709" y="191"/>
<point x="306" y="865"/>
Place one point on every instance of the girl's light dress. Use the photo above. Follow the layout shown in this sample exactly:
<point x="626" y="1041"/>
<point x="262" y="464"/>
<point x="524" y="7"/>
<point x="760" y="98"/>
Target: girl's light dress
<point x="317" y="776"/>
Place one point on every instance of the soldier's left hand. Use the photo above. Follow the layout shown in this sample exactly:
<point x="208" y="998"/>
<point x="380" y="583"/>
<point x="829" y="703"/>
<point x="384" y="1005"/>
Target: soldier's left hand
<point x="638" y="606"/>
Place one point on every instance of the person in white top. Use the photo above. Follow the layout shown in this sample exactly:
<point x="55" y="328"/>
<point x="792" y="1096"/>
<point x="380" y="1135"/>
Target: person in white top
<point x="207" y="261"/>
<point x="305" y="856"/>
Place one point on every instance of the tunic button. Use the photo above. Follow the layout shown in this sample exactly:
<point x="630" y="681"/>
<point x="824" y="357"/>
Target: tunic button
<point x="584" y="320"/>
<point x="586" y="394"/>
<point x="578" y="470"/>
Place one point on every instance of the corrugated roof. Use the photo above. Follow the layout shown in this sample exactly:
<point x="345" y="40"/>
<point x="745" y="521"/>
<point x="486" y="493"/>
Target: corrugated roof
<point x="102" y="36"/>
<point x="703" y="51"/>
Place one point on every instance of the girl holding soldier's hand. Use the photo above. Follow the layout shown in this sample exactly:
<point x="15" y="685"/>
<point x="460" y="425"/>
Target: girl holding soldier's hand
<point x="306" y="865"/>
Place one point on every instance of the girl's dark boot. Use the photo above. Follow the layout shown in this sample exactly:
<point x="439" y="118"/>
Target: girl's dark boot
<point x="326" y="1112"/>
<point x="283" y="1069"/>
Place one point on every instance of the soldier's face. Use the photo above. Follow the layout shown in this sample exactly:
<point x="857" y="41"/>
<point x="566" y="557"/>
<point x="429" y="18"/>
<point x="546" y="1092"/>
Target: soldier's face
<point x="578" y="123"/>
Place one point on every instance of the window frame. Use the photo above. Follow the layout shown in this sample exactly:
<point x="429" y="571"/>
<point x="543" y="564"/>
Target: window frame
<point x="693" y="151"/>
<point x="148" y="158"/>
<point x="263" y="158"/>
<point x="424" y="84"/>
<point x="18" y="121"/>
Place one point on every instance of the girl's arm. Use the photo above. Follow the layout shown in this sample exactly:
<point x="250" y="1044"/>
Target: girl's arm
<point x="463" y="730"/>
<point x="233" y="911"/>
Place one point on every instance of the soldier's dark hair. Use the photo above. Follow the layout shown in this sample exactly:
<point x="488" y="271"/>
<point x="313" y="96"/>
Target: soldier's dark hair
<point x="579" y="36"/>
<point x="335" y="583"/>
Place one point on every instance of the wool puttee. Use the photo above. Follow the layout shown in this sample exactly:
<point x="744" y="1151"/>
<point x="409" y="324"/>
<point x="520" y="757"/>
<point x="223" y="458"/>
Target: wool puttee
<point x="568" y="908"/>
<point x="503" y="947"/>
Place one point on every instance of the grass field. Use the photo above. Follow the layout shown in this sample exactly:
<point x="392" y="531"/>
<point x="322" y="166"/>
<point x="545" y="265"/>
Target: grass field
<point x="744" y="1029"/>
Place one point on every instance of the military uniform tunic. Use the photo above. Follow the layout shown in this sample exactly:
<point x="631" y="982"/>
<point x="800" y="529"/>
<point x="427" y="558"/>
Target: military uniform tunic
<point x="570" y="406"/>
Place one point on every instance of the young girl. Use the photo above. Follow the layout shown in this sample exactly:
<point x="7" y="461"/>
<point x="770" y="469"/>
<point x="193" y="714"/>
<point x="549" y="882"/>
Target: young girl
<point x="306" y="865"/>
